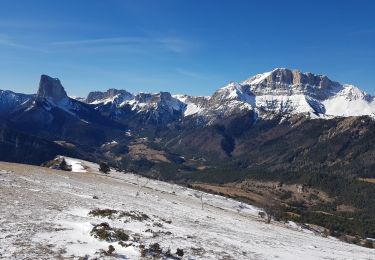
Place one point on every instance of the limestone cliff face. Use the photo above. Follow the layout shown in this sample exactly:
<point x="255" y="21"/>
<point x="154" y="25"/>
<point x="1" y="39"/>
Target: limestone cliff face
<point x="295" y="77"/>
<point x="51" y="88"/>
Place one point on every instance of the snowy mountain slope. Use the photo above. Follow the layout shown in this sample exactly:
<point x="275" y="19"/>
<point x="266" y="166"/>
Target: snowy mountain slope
<point x="138" y="102"/>
<point x="10" y="100"/>
<point x="193" y="106"/>
<point x="231" y="99"/>
<point x="159" y="107"/>
<point x="159" y="101"/>
<point x="350" y="101"/>
<point x="111" y="95"/>
<point x="45" y="214"/>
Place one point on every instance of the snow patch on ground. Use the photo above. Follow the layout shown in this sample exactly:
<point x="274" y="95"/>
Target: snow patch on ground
<point x="112" y="143"/>
<point x="76" y="165"/>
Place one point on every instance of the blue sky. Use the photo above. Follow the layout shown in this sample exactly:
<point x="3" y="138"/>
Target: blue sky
<point x="191" y="47"/>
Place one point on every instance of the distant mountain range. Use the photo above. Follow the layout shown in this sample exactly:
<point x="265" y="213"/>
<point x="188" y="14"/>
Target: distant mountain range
<point x="281" y="92"/>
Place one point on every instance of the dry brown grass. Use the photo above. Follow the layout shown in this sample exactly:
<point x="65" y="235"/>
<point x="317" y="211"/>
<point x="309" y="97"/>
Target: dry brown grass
<point x="233" y="192"/>
<point x="346" y="208"/>
<point x="369" y="180"/>
<point x="140" y="150"/>
<point x="267" y="193"/>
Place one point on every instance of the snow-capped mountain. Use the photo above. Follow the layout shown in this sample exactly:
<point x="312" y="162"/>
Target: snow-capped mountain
<point x="286" y="92"/>
<point x="281" y="92"/>
<point x="115" y="96"/>
<point x="53" y="115"/>
<point x="159" y="107"/>
<point x="51" y="95"/>
<point x="50" y="102"/>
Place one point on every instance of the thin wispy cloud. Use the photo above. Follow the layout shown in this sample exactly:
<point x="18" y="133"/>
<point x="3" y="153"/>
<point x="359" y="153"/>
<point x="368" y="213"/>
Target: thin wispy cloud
<point x="6" y="41"/>
<point x="9" y="24"/>
<point x="11" y="43"/>
<point x="102" y="41"/>
<point x="171" y="44"/>
<point x="43" y="25"/>
<point x="176" y="45"/>
<point x="189" y="73"/>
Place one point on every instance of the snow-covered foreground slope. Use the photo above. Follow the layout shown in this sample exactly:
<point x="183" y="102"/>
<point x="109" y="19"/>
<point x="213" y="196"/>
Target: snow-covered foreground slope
<point x="44" y="215"/>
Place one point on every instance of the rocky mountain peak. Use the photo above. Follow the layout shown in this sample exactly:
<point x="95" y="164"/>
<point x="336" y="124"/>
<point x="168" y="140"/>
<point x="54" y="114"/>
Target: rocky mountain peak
<point x="51" y="88"/>
<point x="284" y="76"/>
<point x="98" y="96"/>
<point x="165" y="96"/>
